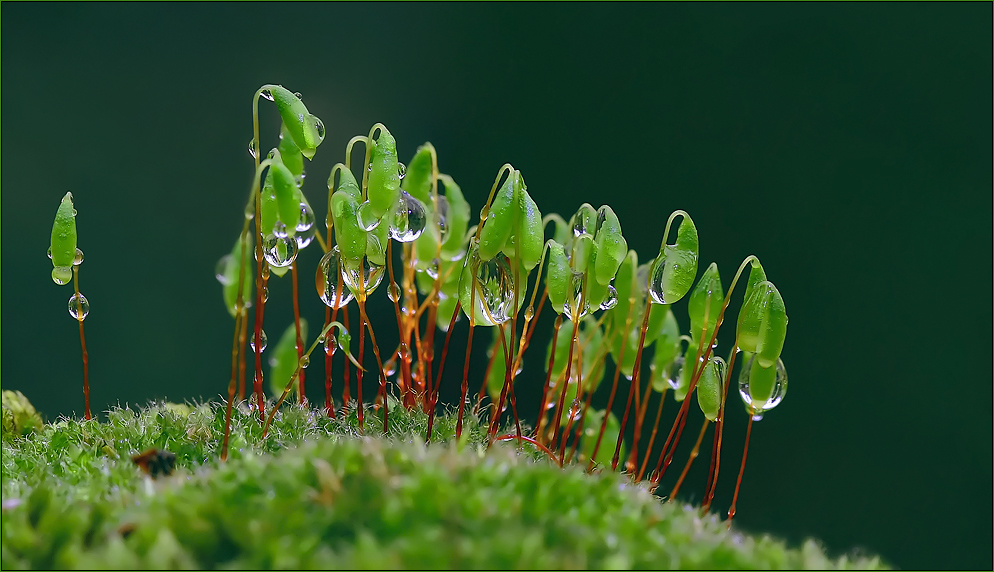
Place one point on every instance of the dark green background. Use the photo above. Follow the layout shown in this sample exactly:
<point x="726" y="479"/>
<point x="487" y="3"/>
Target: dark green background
<point x="847" y="145"/>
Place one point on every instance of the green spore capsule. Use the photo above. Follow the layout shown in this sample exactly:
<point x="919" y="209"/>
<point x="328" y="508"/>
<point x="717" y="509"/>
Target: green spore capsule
<point x="675" y="267"/>
<point x="287" y="197"/>
<point x="283" y="359"/>
<point x="383" y="188"/>
<point x="63" y="246"/>
<point x="227" y="274"/>
<point x="306" y="129"/>
<point x="527" y="239"/>
<point x="500" y="219"/>
<point x="349" y="235"/>
<point x="756" y="275"/>
<point x="584" y="221"/>
<point x="558" y="276"/>
<point x="762" y="388"/>
<point x="611" y="246"/>
<point x="706" y="299"/>
<point x="709" y="387"/>
<point x="290" y="154"/>
<point x="376" y="244"/>
<point x="417" y="181"/>
<point x="762" y="326"/>
<point x="492" y="280"/>
<point x="457" y="220"/>
<point x="667" y="350"/>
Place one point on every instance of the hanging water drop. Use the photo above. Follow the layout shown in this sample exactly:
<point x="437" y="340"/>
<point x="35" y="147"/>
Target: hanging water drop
<point x="364" y="280"/>
<point x="79" y="307"/>
<point x="265" y="293"/>
<point x="762" y="389"/>
<point x="304" y="361"/>
<point x="279" y="229"/>
<point x="62" y="275"/>
<point x="393" y="292"/>
<point x="529" y="313"/>
<point x="279" y="251"/>
<point x="265" y="267"/>
<point x="432" y="269"/>
<point x="221" y="270"/>
<point x="78" y="258"/>
<point x="266" y="94"/>
<point x="673" y="375"/>
<point x="571" y="308"/>
<point x="327" y="281"/>
<point x="389" y="367"/>
<point x="493" y="283"/>
<point x="330" y="345"/>
<point x="401" y="170"/>
<point x="611" y="300"/>
<point x="253" y="151"/>
<point x="408" y="219"/>
<point x="672" y="275"/>
<point x="297" y="95"/>
<point x="263" y="341"/>
<point x="50" y="252"/>
<point x="318" y="127"/>
<point x="305" y="227"/>
<point x="367" y="219"/>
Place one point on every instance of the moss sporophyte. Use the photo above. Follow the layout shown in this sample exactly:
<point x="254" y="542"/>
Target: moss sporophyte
<point x="498" y="273"/>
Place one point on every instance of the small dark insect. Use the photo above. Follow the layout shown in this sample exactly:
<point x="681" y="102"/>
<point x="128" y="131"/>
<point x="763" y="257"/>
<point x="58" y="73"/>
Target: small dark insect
<point x="155" y="463"/>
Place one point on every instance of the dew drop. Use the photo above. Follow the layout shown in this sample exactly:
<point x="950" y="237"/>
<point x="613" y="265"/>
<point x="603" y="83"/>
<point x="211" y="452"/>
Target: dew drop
<point x="443" y="218"/>
<point x="611" y="300"/>
<point x="432" y="269"/>
<point x="367" y="219"/>
<point x="297" y="95"/>
<point x="574" y="292"/>
<point x="330" y="345"/>
<point x="393" y="292"/>
<point x="408" y="219"/>
<point x="673" y="376"/>
<point x="50" y="252"/>
<point x="74" y="212"/>
<point x="265" y="267"/>
<point x="279" y="229"/>
<point x="365" y="279"/>
<point x="78" y="258"/>
<point x="265" y="293"/>
<point x="221" y="270"/>
<point x="401" y="170"/>
<point x="280" y="251"/>
<point x="252" y="148"/>
<point x="389" y="367"/>
<point x="266" y="94"/>
<point x="529" y="313"/>
<point x="79" y="307"/>
<point x="271" y="154"/>
<point x="574" y="408"/>
<point x="758" y="407"/>
<point x="494" y="285"/>
<point x="326" y="280"/>
<point x="305" y="226"/>
<point x="304" y="361"/>
<point x="62" y="275"/>
<point x="263" y="341"/>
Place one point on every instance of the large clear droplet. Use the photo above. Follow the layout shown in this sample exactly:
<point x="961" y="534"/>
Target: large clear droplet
<point x="432" y="269"/>
<point x="304" y="361"/>
<point x="393" y="292"/>
<point x="442" y="211"/>
<point x="367" y="219"/>
<point x="494" y="287"/>
<point x="221" y="270"/>
<point x="305" y="227"/>
<point x="318" y="127"/>
<point x="401" y="170"/>
<point x="252" y="149"/>
<point x="330" y="344"/>
<point x="263" y="341"/>
<point x="62" y="275"/>
<point x="279" y="251"/>
<point x="574" y="292"/>
<point x="673" y="375"/>
<point x="49" y="252"/>
<point x="78" y="258"/>
<point x="363" y="281"/>
<point x="408" y="219"/>
<point x="327" y="281"/>
<point x="79" y="307"/>
<point x="279" y="229"/>
<point x="266" y="94"/>
<point x="611" y="300"/>
<point x="776" y="396"/>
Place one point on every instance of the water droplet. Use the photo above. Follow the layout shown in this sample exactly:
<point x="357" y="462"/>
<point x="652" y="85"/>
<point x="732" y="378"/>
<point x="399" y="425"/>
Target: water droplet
<point x="74" y="212"/>
<point x="299" y="179"/>
<point x="279" y="229"/>
<point x="272" y="153"/>
<point x="305" y="237"/>
<point x="304" y="361"/>
<point x="393" y="292"/>
<point x="408" y="219"/>
<point x="297" y="95"/>
<point x="432" y="269"/>
<point x="326" y="280"/>
<point x="280" y="251"/>
<point x="443" y="218"/>
<point x="263" y="341"/>
<point x="62" y="275"/>
<point x="330" y="345"/>
<point x="266" y="94"/>
<point x="389" y="367"/>
<point x="758" y="407"/>
<point x="573" y="294"/>
<point x="221" y="270"/>
<point x="79" y="307"/>
<point x="249" y="212"/>
<point x="363" y="280"/>
<point x="401" y="170"/>
<point x="574" y="408"/>
<point x="253" y="151"/>
<point x="265" y="267"/>
<point x="529" y="313"/>
<point x="78" y="258"/>
<point x="673" y="376"/>
<point x="50" y="252"/>
<point x="367" y="219"/>
<point x="318" y="127"/>
<point x="494" y="286"/>
<point x="582" y="219"/>
<point x="611" y="300"/>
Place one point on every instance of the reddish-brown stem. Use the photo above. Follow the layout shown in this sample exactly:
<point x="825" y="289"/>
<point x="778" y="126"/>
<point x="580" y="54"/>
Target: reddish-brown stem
<point x="257" y="380"/>
<point x="579" y="427"/>
<point x="241" y="354"/>
<point x="347" y="381"/>
<point x="573" y="415"/>
<point x="610" y="399"/>
<point x="631" y="390"/>
<point x="499" y="406"/>
<point x="231" y="387"/>
<point x="652" y="437"/>
<point x="379" y="362"/>
<point x="693" y="455"/>
<point x="441" y="365"/>
<point x="548" y="376"/>
<point x="531" y="440"/>
<point x="359" y="371"/>
<point x="82" y="344"/>
<point x="558" y="418"/>
<point x="718" y="432"/>
<point x="486" y="376"/>
<point x="301" y="397"/>
<point x="738" y="483"/>
<point x="405" y="376"/>
<point x="465" y="380"/>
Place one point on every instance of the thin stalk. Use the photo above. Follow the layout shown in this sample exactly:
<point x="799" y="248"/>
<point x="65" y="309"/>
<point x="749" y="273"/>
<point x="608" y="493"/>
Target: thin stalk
<point x="738" y="483"/>
<point x="652" y="437"/>
<point x="441" y="365"/>
<point x="82" y="344"/>
<point x="346" y="381"/>
<point x="301" y="397"/>
<point x="693" y="455"/>
<point x="548" y="377"/>
<point x="718" y="432"/>
<point x="231" y="390"/>
<point x="241" y="354"/>
<point x="558" y="416"/>
<point x="376" y="353"/>
<point x="635" y="380"/>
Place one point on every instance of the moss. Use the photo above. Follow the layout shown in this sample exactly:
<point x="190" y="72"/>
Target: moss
<point x="318" y="494"/>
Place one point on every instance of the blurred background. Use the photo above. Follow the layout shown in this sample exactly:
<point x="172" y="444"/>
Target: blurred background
<point x="847" y="145"/>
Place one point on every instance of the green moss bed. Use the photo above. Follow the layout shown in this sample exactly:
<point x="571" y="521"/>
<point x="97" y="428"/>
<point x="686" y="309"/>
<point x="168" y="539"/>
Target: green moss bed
<point x="317" y="493"/>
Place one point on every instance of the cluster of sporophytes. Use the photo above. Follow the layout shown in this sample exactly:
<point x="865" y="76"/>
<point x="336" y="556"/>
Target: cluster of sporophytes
<point x="448" y="270"/>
